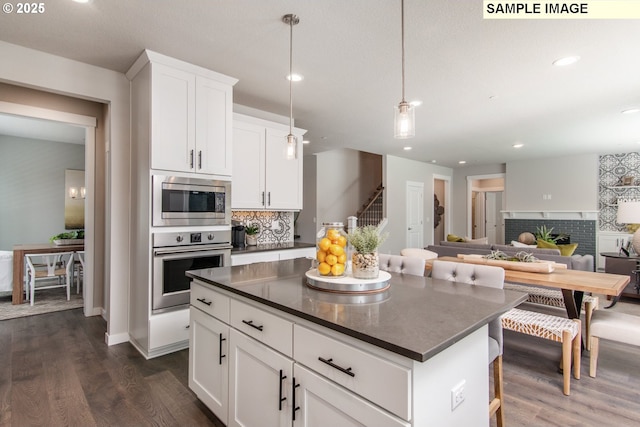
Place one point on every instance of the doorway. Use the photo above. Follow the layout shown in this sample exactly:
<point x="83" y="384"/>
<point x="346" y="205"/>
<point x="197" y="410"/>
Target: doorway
<point x="89" y="125"/>
<point x="415" y="215"/>
<point x="485" y="206"/>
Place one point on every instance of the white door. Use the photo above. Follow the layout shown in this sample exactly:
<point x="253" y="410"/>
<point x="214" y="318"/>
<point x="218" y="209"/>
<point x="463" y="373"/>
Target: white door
<point x="415" y="214"/>
<point x="479" y="219"/>
<point x="493" y="221"/>
<point x="247" y="182"/>
<point x="283" y="177"/>
<point x="213" y="127"/>
<point x="209" y="362"/>
<point x="323" y="403"/>
<point x="260" y="382"/>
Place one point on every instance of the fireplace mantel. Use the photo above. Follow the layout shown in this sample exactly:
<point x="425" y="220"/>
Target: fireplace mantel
<point x="542" y="214"/>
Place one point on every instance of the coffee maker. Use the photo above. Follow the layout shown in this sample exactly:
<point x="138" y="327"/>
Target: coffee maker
<point x="237" y="234"/>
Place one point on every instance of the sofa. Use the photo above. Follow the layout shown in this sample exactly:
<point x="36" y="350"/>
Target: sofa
<point x="574" y="262"/>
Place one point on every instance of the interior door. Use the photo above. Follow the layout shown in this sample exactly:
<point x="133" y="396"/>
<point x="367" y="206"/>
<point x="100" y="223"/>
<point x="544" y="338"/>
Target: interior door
<point x="415" y="214"/>
<point x="479" y="218"/>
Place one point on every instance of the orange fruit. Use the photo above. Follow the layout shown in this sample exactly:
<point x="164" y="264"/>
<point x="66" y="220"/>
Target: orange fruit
<point x="324" y="244"/>
<point x="321" y="255"/>
<point x="337" y="269"/>
<point x="342" y="241"/>
<point x="336" y="250"/>
<point x="331" y="259"/>
<point x="333" y="234"/>
<point x="342" y="259"/>
<point x="324" y="268"/>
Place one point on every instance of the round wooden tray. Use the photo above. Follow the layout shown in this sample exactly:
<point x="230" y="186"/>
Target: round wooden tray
<point x="347" y="284"/>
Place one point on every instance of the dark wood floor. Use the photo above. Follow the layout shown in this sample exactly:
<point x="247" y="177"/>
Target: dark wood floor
<point x="55" y="370"/>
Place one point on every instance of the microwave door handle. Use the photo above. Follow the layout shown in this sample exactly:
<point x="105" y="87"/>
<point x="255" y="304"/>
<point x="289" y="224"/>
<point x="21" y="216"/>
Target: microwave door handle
<point x="189" y="252"/>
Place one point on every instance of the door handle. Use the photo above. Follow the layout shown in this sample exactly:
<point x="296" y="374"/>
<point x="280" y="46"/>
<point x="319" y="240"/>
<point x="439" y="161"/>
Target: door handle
<point x="263" y="198"/>
<point x="281" y="399"/>
<point x="269" y="199"/>
<point x="191" y="160"/>
<point x="250" y="323"/>
<point x="221" y="355"/>
<point x="294" y="408"/>
<point x="200" y="159"/>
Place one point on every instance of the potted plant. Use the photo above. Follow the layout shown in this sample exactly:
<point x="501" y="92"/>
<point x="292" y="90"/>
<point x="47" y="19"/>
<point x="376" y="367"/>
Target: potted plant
<point x="251" y="232"/>
<point x="365" y="242"/>
<point x="543" y="233"/>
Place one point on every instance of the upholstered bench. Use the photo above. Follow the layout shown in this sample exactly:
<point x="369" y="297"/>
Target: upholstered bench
<point x="554" y="298"/>
<point x="614" y="326"/>
<point x="554" y="328"/>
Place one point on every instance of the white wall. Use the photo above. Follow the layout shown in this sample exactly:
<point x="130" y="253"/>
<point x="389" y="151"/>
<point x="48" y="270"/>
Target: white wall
<point x="571" y="181"/>
<point x="32" y="184"/>
<point x="50" y="73"/>
<point x="306" y="224"/>
<point x="396" y="172"/>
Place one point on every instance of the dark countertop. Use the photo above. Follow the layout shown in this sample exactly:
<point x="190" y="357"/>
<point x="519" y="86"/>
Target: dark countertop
<point x="417" y="317"/>
<point x="271" y="247"/>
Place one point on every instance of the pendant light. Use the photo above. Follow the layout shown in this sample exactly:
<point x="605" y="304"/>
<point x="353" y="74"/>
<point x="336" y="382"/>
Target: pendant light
<point x="405" y="117"/>
<point x="291" y="151"/>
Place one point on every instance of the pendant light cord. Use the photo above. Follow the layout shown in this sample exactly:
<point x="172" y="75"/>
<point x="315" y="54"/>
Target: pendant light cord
<point x="402" y="25"/>
<point x="291" y="75"/>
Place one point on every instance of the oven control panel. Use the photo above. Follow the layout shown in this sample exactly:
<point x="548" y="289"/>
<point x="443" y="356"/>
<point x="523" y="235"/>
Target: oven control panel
<point x="187" y="238"/>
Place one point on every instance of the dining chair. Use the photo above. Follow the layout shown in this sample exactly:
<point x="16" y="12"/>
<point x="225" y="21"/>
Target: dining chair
<point x="401" y="264"/>
<point x="490" y="276"/>
<point x="55" y="266"/>
<point x="79" y="269"/>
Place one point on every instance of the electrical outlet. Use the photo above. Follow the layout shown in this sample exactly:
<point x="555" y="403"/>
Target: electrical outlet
<point x="457" y="394"/>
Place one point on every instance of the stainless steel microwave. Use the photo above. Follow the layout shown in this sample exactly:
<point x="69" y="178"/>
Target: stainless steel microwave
<point x="181" y="201"/>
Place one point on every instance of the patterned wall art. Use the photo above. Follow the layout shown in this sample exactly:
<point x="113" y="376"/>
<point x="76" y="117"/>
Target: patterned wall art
<point x="613" y="170"/>
<point x="275" y="227"/>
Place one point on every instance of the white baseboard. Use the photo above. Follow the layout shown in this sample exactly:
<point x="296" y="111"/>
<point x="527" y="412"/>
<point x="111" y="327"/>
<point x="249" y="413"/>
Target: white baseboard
<point x="116" y="338"/>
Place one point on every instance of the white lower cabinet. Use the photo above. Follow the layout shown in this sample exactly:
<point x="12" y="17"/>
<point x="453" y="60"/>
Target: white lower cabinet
<point x="260" y="386"/>
<point x="209" y="362"/>
<point x="323" y="403"/>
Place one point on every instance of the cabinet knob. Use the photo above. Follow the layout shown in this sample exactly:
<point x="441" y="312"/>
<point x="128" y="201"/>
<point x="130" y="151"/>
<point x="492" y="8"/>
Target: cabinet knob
<point x="210" y="236"/>
<point x="179" y="239"/>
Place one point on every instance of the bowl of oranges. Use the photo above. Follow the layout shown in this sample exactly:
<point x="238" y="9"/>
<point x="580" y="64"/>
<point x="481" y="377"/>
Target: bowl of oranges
<point x="332" y="250"/>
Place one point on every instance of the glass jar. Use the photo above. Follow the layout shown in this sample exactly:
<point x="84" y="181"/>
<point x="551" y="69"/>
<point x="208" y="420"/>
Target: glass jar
<point x="331" y="245"/>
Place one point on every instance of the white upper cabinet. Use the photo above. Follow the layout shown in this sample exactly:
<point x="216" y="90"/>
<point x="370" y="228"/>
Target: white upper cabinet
<point x="262" y="177"/>
<point x="190" y="115"/>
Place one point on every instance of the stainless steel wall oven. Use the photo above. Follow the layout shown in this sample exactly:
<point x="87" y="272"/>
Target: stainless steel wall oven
<point x="181" y="201"/>
<point x="176" y="252"/>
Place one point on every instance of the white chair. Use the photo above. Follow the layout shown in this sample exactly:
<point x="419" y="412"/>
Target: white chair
<point x="79" y="267"/>
<point x="419" y="253"/>
<point x="55" y="266"/>
<point x="401" y="264"/>
<point x="613" y="326"/>
<point x="490" y="276"/>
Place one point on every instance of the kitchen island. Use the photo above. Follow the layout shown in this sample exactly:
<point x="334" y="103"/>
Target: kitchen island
<point x="265" y="349"/>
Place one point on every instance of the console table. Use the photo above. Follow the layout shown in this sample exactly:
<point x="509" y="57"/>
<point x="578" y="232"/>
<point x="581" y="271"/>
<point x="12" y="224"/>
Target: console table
<point x="621" y="264"/>
<point x="17" y="297"/>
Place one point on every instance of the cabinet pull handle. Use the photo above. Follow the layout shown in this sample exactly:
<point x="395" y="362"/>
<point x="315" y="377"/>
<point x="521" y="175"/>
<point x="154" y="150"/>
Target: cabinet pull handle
<point x="191" y="160"/>
<point x="263" y="198"/>
<point x="204" y="301"/>
<point x="250" y="323"/>
<point x="281" y="399"/>
<point x="339" y="368"/>
<point x="221" y="355"/>
<point x="269" y="199"/>
<point x="294" y="408"/>
<point x="200" y="159"/>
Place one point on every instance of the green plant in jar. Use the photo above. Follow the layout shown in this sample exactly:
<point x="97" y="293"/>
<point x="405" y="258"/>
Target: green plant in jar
<point x="365" y="242"/>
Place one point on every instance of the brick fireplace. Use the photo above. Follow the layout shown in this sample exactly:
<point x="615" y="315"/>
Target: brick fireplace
<point x="580" y="231"/>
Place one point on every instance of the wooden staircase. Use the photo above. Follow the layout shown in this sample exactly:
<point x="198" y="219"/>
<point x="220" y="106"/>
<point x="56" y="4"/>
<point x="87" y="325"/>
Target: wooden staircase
<point x="372" y="211"/>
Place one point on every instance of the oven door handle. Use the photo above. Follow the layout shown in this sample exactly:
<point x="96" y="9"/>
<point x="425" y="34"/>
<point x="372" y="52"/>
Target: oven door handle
<point x="189" y="250"/>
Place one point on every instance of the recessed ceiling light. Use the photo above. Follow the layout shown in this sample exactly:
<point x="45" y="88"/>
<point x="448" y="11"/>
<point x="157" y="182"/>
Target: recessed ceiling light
<point x="295" y="77"/>
<point x="433" y="161"/>
<point x="406" y="148"/>
<point x="416" y="103"/>
<point x="82" y="1"/>
<point x="518" y="145"/>
<point x="631" y="111"/>
<point x="567" y="60"/>
<point x="462" y="162"/>
<point x="304" y="141"/>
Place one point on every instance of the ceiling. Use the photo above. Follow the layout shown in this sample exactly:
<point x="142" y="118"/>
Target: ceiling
<point x="485" y="84"/>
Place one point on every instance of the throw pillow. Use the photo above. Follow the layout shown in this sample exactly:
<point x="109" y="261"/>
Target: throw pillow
<point x="517" y="244"/>
<point x="480" y="241"/>
<point x="454" y="238"/>
<point x="565" y="250"/>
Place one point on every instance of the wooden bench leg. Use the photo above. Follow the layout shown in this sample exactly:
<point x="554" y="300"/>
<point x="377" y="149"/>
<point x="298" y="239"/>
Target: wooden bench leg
<point x="577" y="347"/>
<point x="593" y="357"/>
<point x="566" y="362"/>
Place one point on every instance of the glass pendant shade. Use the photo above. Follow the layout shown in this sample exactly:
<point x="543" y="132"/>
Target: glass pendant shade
<point x="405" y="121"/>
<point x="291" y="152"/>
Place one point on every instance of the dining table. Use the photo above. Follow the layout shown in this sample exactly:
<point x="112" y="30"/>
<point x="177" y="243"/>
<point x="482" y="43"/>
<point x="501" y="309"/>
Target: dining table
<point x="572" y="283"/>
<point x="19" y="251"/>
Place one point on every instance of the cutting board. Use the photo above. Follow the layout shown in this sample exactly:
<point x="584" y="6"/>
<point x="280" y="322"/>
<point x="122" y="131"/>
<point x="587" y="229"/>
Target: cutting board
<point x="539" y="266"/>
